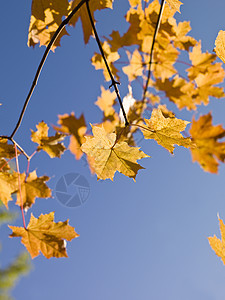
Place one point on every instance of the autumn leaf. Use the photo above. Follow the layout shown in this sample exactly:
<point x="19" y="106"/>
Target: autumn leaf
<point x="135" y="67"/>
<point x="181" y="40"/>
<point x="45" y="236"/>
<point x="166" y="131"/>
<point x="6" y="150"/>
<point x="208" y="149"/>
<point x="8" y="185"/>
<point x="51" y="144"/>
<point x="76" y="127"/>
<point x="106" y="102"/>
<point x="83" y="15"/>
<point x="220" y="45"/>
<point x="217" y="245"/>
<point x="34" y="187"/>
<point x="175" y="4"/>
<point x="111" y="156"/>
<point x="200" y="61"/>
<point x="46" y="16"/>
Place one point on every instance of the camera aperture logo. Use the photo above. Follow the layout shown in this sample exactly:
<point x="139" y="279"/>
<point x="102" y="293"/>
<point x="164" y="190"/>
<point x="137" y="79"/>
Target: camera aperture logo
<point x="72" y="190"/>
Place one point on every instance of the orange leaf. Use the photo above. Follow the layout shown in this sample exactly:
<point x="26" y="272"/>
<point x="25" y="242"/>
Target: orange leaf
<point x="45" y="236"/>
<point x="220" y="45"/>
<point x="83" y="15"/>
<point x="208" y="150"/>
<point x="34" y="187"/>
<point x="110" y="156"/>
<point x="50" y="144"/>
<point x="46" y="16"/>
<point x="219" y="245"/>
<point x="76" y="128"/>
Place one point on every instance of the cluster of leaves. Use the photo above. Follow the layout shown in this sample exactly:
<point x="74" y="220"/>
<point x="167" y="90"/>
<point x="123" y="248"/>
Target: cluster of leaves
<point x="152" y="45"/>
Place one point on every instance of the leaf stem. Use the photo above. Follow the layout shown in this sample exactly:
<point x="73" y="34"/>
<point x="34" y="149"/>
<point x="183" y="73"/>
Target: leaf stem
<point x="152" y="48"/>
<point x="19" y="184"/>
<point x="114" y="83"/>
<point x="53" y="39"/>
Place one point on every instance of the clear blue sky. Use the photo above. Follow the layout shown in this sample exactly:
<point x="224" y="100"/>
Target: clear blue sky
<point x="144" y="240"/>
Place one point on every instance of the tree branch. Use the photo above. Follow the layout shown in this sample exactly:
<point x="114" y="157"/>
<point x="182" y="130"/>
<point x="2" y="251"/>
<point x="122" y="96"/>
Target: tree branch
<point x="152" y="48"/>
<point x="114" y="83"/>
<point x="56" y="34"/>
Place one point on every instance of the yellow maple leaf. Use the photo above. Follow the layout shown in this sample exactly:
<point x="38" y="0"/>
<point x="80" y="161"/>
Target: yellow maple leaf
<point x="220" y="45"/>
<point x="200" y="61"/>
<point x="50" y="144"/>
<point x="110" y="156"/>
<point x="46" y="16"/>
<point x="219" y="245"/>
<point x="175" y="4"/>
<point x="46" y="236"/>
<point x="135" y="67"/>
<point x="34" y="187"/>
<point x="181" y="40"/>
<point x="8" y="185"/>
<point x="106" y="102"/>
<point x="208" y="150"/>
<point x="76" y="128"/>
<point x="83" y="15"/>
<point x="6" y="150"/>
<point x="166" y="131"/>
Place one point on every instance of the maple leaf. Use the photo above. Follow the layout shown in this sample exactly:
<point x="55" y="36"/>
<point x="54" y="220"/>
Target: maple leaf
<point x="181" y="40"/>
<point x="8" y="185"/>
<point x="220" y="45"/>
<point x="46" y="16"/>
<point x="200" y="61"/>
<point x="83" y="15"/>
<point x="166" y="131"/>
<point x="45" y="236"/>
<point x="175" y="4"/>
<point x="76" y="128"/>
<point x="106" y="102"/>
<point x="33" y="187"/>
<point x="135" y="67"/>
<point x="6" y="150"/>
<point x="110" y="156"/>
<point x="50" y="144"/>
<point x="218" y="245"/>
<point x="208" y="150"/>
<point x="165" y="60"/>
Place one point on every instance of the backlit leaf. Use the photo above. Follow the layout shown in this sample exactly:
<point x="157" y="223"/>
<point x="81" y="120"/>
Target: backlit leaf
<point x="208" y="149"/>
<point x="45" y="236"/>
<point x="220" y="45"/>
<point x="110" y="156"/>
<point x="74" y="127"/>
<point x="50" y="144"/>
<point x="166" y="131"/>
<point x="219" y="245"/>
<point x="34" y="187"/>
<point x="83" y="15"/>
<point x="175" y="4"/>
<point x="8" y="185"/>
<point x="46" y="17"/>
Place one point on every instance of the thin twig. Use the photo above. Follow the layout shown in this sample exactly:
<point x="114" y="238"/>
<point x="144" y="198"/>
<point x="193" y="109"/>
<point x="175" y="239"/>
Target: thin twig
<point x="18" y="146"/>
<point x="114" y="83"/>
<point x="53" y="39"/>
<point x="19" y="184"/>
<point x="152" y="48"/>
